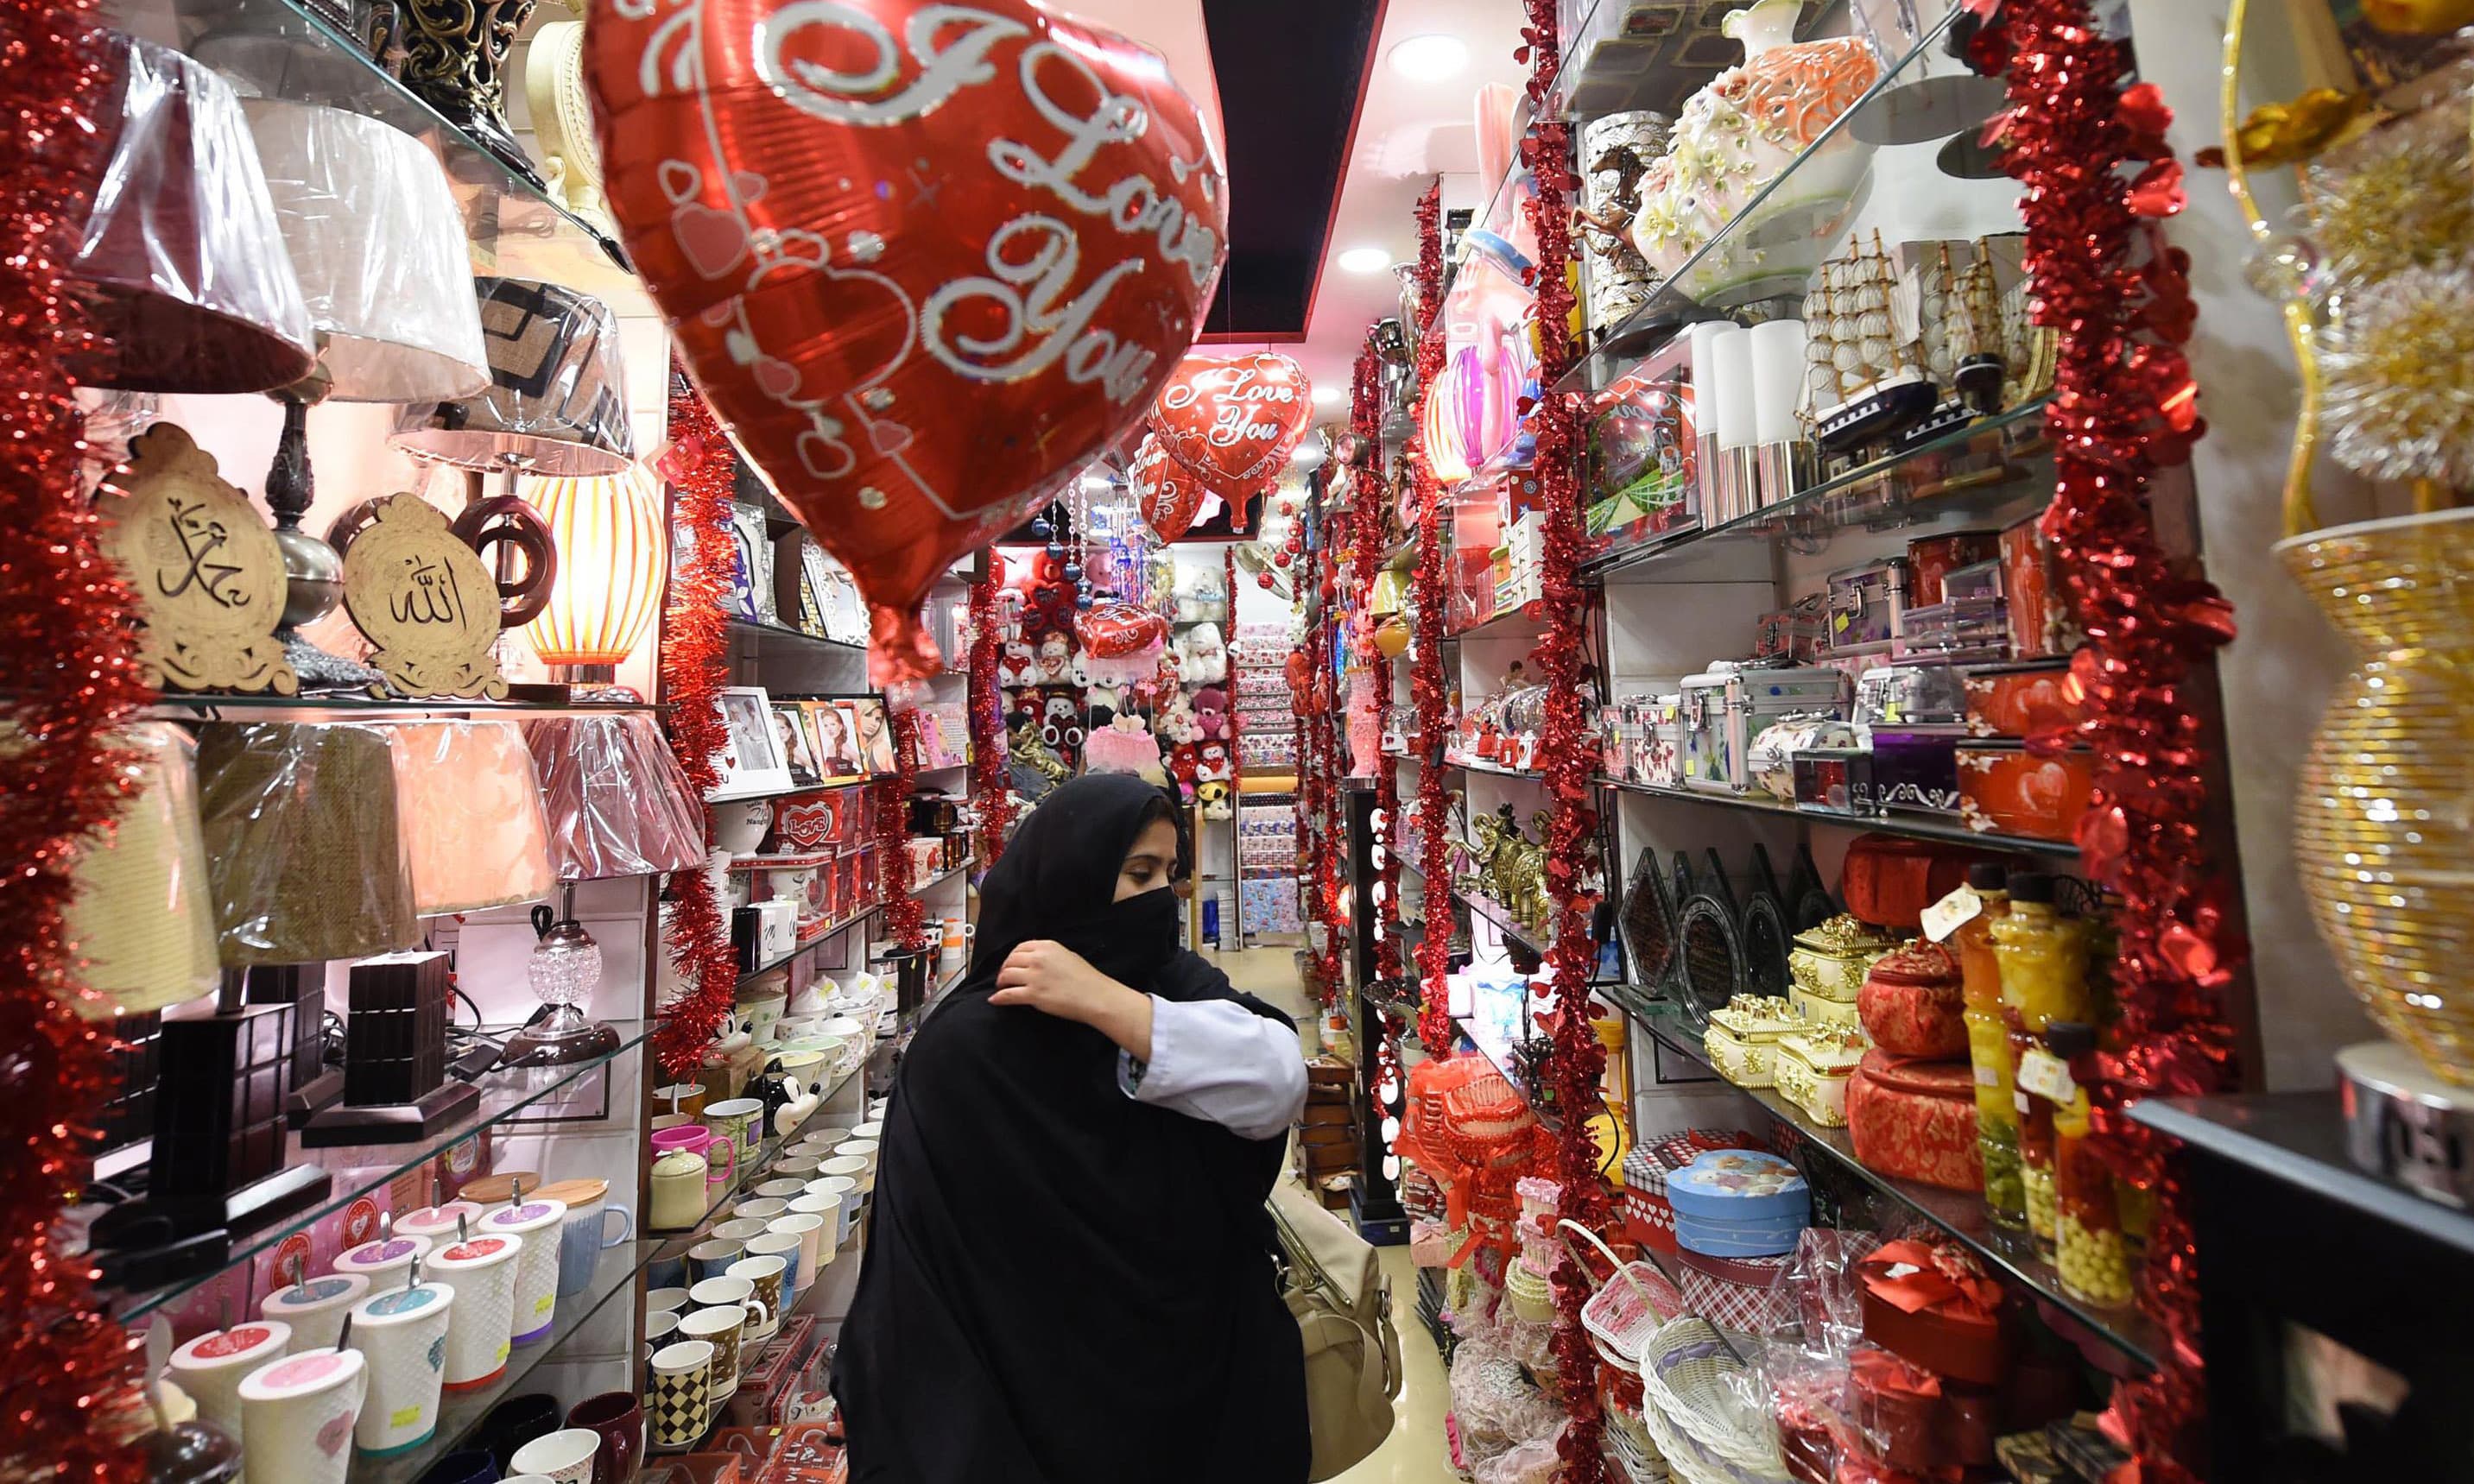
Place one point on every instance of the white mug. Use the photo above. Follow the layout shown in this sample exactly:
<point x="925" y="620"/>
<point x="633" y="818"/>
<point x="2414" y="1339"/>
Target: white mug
<point x="679" y="1401"/>
<point x="315" y="1309"/>
<point x="809" y="1228"/>
<point x="563" y="1457"/>
<point x="780" y="1188"/>
<point x="666" y="1301"/>
<point x="301" y="1412"/>
<point x="212" y="1367"/>
<point x="760" y="1210"/>
<point x="480" y="1331"/>
<point x="401" y="1336"/>
<point x="540" y="1224"/>
<point x="845" y="1193"/>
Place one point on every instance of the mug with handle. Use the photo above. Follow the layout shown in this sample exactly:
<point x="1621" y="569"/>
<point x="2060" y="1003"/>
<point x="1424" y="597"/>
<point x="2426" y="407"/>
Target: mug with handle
<point x="724" y="1327"/>
<point x="563" y="1457"/>
<point x="619" y="1418"/>
<point x="300" y="1411"/>
<point x="680" y="1395"/>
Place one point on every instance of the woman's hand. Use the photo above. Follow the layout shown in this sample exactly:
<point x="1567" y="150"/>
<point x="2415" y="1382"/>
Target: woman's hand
<point x="1053" y="979"/>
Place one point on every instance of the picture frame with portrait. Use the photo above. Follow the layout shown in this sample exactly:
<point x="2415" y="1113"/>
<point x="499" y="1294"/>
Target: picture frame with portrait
<point x="797" y="739"/>
<point x="872" y="731"/>
<point x="836" y="736"/>
<point x="751" y="759"/>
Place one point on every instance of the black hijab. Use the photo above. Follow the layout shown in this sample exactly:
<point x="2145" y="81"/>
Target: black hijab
<point x="1061" y="1284"/>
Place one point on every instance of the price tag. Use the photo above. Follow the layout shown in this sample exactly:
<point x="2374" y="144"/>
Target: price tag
<point x="2046" y="1076"/>
<point x="1946" y="915"/>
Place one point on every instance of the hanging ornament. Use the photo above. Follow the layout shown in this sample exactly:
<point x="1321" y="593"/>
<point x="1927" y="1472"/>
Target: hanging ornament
<point x="1074" y="571"/>
<point x="868" y="276"/>
<point x="1233" y="422"/>
<point x="1041" y="528"/>
<point x="1170" y="493"/>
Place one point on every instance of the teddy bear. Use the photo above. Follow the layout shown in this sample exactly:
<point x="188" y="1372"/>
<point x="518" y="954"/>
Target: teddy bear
<point x="1124" y="746"/>
<point x="1202" y="656"/>
<point x="1202" y="594"/>
<point x="1211" y="713"/>
<point x="1177" y="721"/>
<point x="1056" y="659"/>
<point x="1020" y="666"/>
<point x="1061" y="725"/>
<point x="1212" y="765"/>
<point x="1213" y="795"/>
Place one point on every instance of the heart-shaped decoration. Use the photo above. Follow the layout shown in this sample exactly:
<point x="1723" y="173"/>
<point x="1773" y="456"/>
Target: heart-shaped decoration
<point x="804" y="826"/>
<point x="1115" y="629"/>
<point x="1235" y="419"/>
<point x="1168" y="491"/>
<point x="924" y="259"/>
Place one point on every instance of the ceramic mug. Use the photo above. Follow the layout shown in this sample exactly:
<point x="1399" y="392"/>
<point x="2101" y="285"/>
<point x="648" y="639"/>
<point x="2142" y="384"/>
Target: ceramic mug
<point x="761" y="1015"/>
<point x="809" y="1228"/>
<point x="845" y="1193"/>
<point x="793" y="1026"/>
<point x="738" y="1228"/>
<point x="212" y="1367"/>
<point x="470" y="1466"/>
<point x="765" y="1278"/>
<point x="563" y="1457"/>
<point x="482" y="1328"/>
<point x="680" y="1397"/>
<point x="680" y="1097"/>
<point x="666" y="1301"/>
<point x="300" y="1411"/>
<point x="538" y="1223"/>
<point x="663" y="1123"/>
<point x="739" y="827"/>
<point x="619" y="1418"/>
<point x="385" y="1261"/>
<point x="722" y="1328"/>
<point x="713" y="1257"/>
<point x="801" y="1168"/>
<point x="586" y="1235"/>
<point x="784" y="1245"/>
<point x="515" y="1422"/>
<point x="694" y="1138"/>
<point x="736" y="1120"/>
<point x="780" y="1188"/>
<point x="660" y="1329"/>
<point x="315" y="1308"/>
<point x="401" y="1336"/>
<point x="759" y="1208"/>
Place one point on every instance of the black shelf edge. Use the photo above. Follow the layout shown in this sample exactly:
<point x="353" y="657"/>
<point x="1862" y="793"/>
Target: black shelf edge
<point x="1912" y="827"/>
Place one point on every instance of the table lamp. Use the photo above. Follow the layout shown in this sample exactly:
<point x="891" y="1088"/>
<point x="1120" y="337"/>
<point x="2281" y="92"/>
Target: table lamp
<point x="142" y="917"/>
<point x="469" y="804"/>
<point x="556" y="402"/>
<point x="377" y="245"/>
<point x="179" y="264"/>
<point x="619" y="806"/>
<point x="395" y="1087"/>
<point x="611" y="551"/>
<point x="304" y="855"/>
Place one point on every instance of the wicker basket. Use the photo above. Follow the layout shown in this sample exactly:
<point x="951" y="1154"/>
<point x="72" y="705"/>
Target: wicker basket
<point x="1630" y="1449"/>
<point x="1531" y="1297"/>
<point x="1628" y="1309"/>
<point x="1683" y="1375"/>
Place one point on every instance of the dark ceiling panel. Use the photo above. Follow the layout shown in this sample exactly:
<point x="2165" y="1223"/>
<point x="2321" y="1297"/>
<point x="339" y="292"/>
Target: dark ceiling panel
<point x="1291" y="73"/>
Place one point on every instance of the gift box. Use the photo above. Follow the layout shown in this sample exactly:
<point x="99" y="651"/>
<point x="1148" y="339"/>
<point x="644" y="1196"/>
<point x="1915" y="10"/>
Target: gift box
<point x="1932" y="1305"/>
<point x="1742" y="1039"/>
<point x="2040" y="616"/>
<point x="1770" y="765"/>
<point x="1916" y="1120"/>
<point x="1647" y="1210"/>
<point x="2019" y="700"/>
<point x="1910" y="695"/>
<point x="1931" y="558"/>
<point x="1812" y="1071"/>
<point x="1816" y="1012"/>
<point x="1889" y="882"/>
<point x="2006" y="788"/>
<point x="1912" y="1005"/>
<point x="1866" y="603"/>
<point x="1738" y="1203"/>
<point x="1914" y="1419"/>
<point x="1836" y="778"/>
<point x="1916" y="769"/>
<point x="1829" y="962"/>
<point x="1742" y="1294"/>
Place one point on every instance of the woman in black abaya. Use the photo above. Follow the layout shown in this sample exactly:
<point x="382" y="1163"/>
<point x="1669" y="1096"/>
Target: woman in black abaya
<point x="1068" y="1275"/>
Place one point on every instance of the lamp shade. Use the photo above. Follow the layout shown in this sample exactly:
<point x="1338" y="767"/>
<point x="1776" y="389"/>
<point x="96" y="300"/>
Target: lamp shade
<point x="618" y="803"/>
<point x="610" y="558"/>
<point x="377" y="245"/>
<point x="469" y="804"/>
<point x="556" y="403"/>
<point x="303" y="851"/>
<point x="142" y="917"/>
<point x="181" y="264"/>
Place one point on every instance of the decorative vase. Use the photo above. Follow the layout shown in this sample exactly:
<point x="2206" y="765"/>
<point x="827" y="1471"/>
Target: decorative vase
<point x="455" y="58"/>
<point x="2384" y="827"/>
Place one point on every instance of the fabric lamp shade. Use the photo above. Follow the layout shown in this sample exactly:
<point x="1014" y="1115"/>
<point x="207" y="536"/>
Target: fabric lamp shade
<point x="377" y="245"/>
<point x="142" y="917"/>
<point x="611" y="556"/>
<point x="557" y="400"/>
<point x="468" y="804"/>
<point x="618" y="803"/>
<point x="303" y="850"/>
<point x="181" y="264"/>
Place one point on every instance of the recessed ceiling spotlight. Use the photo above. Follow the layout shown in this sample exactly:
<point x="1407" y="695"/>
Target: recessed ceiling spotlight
<point x="1329" y="395"/>
<point x="1365" y="260"/>
<point x="1430" y="59"/>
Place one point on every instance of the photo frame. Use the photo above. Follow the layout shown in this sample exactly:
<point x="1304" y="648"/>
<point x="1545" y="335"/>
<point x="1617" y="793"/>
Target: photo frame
<point x="816" y="583"/>
<point x="751" y="585"/>
<point x="836" y="736"/>
<point x="750" y="761"/>
<point x="798" y="743"/>
<point x="872" y="732"/>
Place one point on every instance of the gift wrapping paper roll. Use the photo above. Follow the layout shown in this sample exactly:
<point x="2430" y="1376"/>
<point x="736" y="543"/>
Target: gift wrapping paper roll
<point x="403" y="1337"/>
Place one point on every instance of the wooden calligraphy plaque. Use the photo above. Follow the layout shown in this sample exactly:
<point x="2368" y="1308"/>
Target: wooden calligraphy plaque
<point x="426" y="600"/>
<point x="204" y="565"/>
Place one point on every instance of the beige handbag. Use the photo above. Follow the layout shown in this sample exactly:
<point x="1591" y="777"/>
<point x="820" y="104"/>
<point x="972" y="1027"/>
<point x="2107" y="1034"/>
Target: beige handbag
<point x="1342" y="1302"/>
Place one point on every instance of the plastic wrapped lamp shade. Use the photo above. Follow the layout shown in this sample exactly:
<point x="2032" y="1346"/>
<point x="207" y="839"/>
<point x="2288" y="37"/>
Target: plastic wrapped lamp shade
<point x="610" y="560"/>
<point x="303" y="850"/>
<point x="181" y="264"/>
<point x="557" y="400"/>
<point x="618" y="803"/>
<point x="377" y="245"/>
<point x="143" y="918"/>
<point x="468" y="804"/>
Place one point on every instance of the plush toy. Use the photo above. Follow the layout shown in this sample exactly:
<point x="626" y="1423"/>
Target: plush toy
<point x="1184" y="764"/>
<point x="1124" y="746"/>
<point x="1202" y="656"/>
<point x="1175" y="721"/>
<point x="1213" y="795"/>
<point x="1212" y="764"/>
<point x="1056" y="659"/>
<point x="1211" y="713"/>
<point x="1061" y="725"/>
<point x="1201" y="595"/>
<point x="1020" y="666"/>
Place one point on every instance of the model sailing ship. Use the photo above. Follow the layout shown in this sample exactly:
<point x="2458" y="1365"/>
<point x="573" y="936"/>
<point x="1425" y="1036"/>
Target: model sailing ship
<point x="1868" y="382"/>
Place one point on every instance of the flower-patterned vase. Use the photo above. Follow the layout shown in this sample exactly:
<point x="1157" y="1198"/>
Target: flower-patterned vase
<point x="1738" y="136"/>
<point x="2384" y="817"/>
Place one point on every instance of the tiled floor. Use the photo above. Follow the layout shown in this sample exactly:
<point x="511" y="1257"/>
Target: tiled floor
<point x="1414" y="1453"/>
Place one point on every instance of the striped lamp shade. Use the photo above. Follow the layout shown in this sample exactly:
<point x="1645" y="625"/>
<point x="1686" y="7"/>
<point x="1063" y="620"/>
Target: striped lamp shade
<point x="611" y="556"/>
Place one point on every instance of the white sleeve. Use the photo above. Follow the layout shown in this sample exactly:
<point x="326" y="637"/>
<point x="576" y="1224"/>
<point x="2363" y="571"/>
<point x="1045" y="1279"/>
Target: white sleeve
<point x="1216" y="1060"/>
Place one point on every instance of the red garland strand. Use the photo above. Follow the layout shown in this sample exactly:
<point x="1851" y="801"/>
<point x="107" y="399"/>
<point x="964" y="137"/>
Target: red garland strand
<point x="1329" y="764"/>
<point x="694" y="636"/>
<point x="1429" y="691"/>
<point x="1366" y="552"/>
<point x="905" y="915"/>
<point x="1565" y="753"/>
<point x="69" y="1405"/>
<point x="991" y="782"/>
<point x="2122" y="407"/>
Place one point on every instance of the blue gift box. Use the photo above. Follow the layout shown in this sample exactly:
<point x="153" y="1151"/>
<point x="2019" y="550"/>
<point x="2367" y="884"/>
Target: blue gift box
<point x="1738" y="1203"/>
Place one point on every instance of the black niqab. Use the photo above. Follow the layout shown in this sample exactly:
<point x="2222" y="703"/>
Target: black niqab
<point x="1062" y="1285"/>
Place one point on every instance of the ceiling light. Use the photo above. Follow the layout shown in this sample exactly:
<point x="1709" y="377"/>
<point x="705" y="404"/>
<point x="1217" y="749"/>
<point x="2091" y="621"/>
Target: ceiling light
<point x="1329" y="395"/>
<point x="1430" y="59"/>
<point x="1365" y="260"/>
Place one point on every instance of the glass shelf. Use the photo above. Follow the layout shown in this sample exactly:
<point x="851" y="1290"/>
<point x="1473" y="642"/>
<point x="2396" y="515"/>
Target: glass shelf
<point x="831" y="932"/>
<point x="1997" y="465"/>
<point x="1772" y="245"/>
<point x="180" y="706"/>
<point x="505" y="1091"/>
<point x="1912" y="827"/>
<point x="1958" y="1212"/>
<point x="1514" y="1072"/>
<point x="285" y="49"/>
<point x="1613" y="63"/>
<point x="1524" y="774"/>
<point x="1536" y="940"/>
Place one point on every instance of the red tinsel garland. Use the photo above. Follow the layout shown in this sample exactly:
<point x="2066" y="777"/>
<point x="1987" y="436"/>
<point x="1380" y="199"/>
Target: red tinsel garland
<point x="1429" y="691"/>
<point x="1330" y="762"/>
<point x="696" y="633"/>
<point x="1365" y="551"/>
<point x="1566" y="754"/>
<point x="906" y="917"/>
<point x="2122" y="406"/>
<point x="991" y="781"/>
<point x="69" y="1403"/>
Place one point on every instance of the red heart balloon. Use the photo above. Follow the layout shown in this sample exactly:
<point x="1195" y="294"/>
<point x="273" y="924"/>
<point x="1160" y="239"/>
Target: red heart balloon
<point x="1235" y="419"/>
<point x="924" y="259"/>
<point x="1168" y="491"/>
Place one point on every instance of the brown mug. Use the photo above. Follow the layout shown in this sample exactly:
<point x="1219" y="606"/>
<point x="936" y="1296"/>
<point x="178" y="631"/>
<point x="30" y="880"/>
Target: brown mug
<point x="619" y="1418"/>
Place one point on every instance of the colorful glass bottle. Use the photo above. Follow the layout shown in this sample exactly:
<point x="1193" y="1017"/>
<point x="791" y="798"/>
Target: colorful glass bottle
<point x="2043" y="958"/>
<point x="1988" y="1049"/>
<point x="2089" y="1248"/>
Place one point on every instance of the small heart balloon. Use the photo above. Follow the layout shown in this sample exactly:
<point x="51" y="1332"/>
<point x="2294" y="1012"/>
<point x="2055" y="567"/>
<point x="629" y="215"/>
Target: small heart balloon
<point x="1169" y="493"/>
<point x="1233" y="421"/>
<point x="925" y="259"/>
